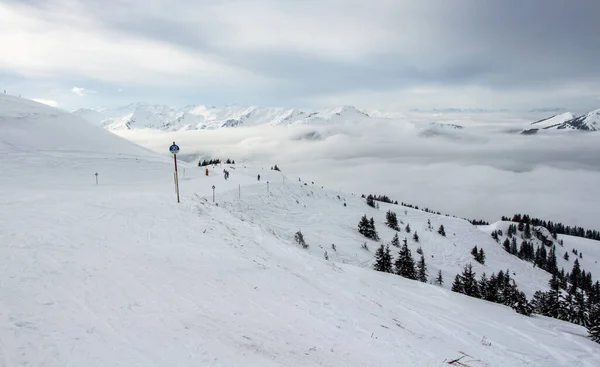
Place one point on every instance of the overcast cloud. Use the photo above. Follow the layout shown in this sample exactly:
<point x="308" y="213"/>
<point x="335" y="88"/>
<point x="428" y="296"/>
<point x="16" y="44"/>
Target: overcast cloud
<point x="389" y="54"/>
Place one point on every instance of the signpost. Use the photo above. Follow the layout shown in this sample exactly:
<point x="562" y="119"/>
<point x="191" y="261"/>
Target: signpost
<point x="213" y="193"/>
<point x="267" y="186"/>
<point x="174" y="149"/>
<point x="96" y="178"/>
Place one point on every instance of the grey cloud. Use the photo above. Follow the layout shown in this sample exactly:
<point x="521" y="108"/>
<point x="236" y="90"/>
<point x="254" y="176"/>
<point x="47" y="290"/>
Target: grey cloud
<point x="505" y="45"/>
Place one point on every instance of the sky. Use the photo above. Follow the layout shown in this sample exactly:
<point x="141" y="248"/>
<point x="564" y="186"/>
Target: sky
<point x="384" y="54"/>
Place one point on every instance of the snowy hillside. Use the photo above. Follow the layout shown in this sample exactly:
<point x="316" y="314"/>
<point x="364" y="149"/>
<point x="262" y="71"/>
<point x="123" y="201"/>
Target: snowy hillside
<point x="119" y="274"/>
<point x="567" y="121"/>
<point x="139" y="116"/>
<point x="553" y="121"/>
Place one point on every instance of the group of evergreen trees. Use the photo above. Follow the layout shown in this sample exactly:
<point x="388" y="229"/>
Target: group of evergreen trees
<point x="555" y="227"/>
<point x="391" y="220"/>
<point x="573" y="296"/>
<point x="404" y="265"/>
<point x="498" y="288"/>
<point x="366" y="227"/>
<point x="275" y="168"/>
<point x="382" y="198"/>
<point x="479" y="255"/>
<point x="211" y="162"/>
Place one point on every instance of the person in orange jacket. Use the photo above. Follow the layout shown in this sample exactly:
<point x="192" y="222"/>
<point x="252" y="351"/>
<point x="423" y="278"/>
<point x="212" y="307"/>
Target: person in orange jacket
<point x="207" y="171"/>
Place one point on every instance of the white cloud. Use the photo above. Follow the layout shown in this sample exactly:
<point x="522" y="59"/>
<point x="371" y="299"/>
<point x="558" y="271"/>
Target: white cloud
<point x="48" y="102"/>
<point x="70" y="43"/>
<point x="82" y="91"/>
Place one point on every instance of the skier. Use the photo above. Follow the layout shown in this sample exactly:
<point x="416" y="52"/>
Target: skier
<point x="207" y="171"/>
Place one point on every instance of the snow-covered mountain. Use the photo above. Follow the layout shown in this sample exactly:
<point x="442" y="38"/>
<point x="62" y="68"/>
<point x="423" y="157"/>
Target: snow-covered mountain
<point x="118" y="274"/>
<point x="141" y="116"/>
<point x="567" y="121"/>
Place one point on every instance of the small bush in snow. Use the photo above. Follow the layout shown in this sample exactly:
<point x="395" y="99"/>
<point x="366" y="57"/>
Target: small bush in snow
<point x="299" y="237"/>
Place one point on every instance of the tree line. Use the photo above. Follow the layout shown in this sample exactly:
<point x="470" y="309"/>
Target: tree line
<point x="554" y="227"/>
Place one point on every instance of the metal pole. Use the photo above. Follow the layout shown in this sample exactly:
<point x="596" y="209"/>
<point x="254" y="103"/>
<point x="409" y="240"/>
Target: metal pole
<point x="240" y="191"/>
<point x="176" y="177"/>
<point x="96" y="178"/>
<point x="267" y="186"/>
<point x="213" y="187"/>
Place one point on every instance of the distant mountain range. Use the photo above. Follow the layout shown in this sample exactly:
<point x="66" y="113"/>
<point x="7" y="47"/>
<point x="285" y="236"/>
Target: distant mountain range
<point x="567" y="121"/>
<point x="160" y="117"/>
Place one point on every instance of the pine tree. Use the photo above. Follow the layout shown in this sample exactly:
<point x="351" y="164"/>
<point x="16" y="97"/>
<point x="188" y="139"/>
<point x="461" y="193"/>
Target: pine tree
<point x="475" y="253"/>
<point x="575" y="274"/>
<point x="416" y="237"/>
<point x="363" y="226"/>
<point x="379" y="259"/>
<point x="422" y="270"/>
<point x="420" y="251"/>
<point x="439" y="279"/>
<point x="429" y="227"/>
<point x="594" y="324"/>
<point x="373" y="231"/>
<point x="442" y="231"/>
<point x="513" y="246"/>
<point x="481" y="257"/>
<point x="506" y="245"/>
<point x="405" y="265"/>
<point x="391" y="220"/>
<point x="457" y="285"/>
<point x="389" y="260"/>
<point x="495" y="236"/>
<point x="521" y="305"/>
<point x="566" y="257"/>
<point x="370" y="201"/>
<point x="527" y="232"/>
<point x="395" y="241"/>
<point x="408" y="228"/>
<point x="469" y="283"/>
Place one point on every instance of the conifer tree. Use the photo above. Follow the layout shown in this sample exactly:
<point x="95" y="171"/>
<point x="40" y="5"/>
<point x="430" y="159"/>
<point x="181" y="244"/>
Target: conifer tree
<point x="506" y="245"/>
<point x="594" y="324"/>
<point x="373" y="231"/>
<point x="395" y="241"/>
<point x="566" y="256"/>
<point x="379" y="259"/>
<point x="363" y="226"/>
<point x="370" y="201"/>
<point x="457" y="285"/>
<point x="513" y="247"/>
<point x="408" y="228"/>
<point x="420" y="251"/>
<point x="416" y="237"/>
<point x="422" y="270"/>
<point x="469" y="283"/>
<point x="495" y="236"/>
<point x="405" y="265"/>
<point x="527" y="232"/>
<point x="429" y="227"/>
<point x="442" y="231"/>
<point x="481" y="257"/>
<point x="391" y="220"/>
<point x="439" y="279"/>
<point x="389" y="260"/>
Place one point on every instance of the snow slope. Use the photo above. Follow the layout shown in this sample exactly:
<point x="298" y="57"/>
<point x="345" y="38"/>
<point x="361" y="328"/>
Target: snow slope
<point x="553" y="121"/>
<point x="119" y="274"/>
<point x="567" y="121"/>
<point x="167" y="118"/>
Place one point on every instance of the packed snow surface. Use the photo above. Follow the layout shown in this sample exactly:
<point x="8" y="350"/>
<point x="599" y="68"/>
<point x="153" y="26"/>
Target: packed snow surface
<point x="119" y="274"/>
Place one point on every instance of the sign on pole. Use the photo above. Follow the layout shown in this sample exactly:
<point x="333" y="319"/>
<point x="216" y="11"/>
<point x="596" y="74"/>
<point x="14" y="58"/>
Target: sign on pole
<point x="213" y="187"/>
<point x="174" y="149"/>
<point x="96" y="178"/>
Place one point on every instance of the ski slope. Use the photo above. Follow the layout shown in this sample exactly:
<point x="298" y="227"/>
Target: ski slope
<point x="119" y="274"/>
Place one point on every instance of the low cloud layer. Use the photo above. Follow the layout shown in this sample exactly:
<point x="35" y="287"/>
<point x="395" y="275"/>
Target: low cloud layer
<point x="475" y="172"/>
<point x="382" y="54"/>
